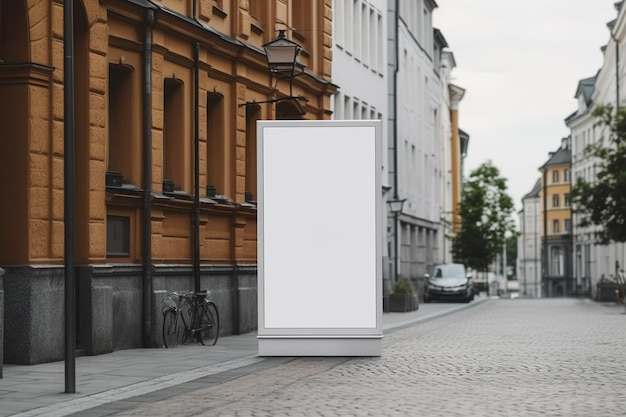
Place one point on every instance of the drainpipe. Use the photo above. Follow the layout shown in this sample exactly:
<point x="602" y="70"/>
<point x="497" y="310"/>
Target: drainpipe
<point x="395" y="105"/>
<point x="395" y="139"/>
<point x="147" y="182"/>
<point x="196" y="170"/>
<point x="69" y="197"/>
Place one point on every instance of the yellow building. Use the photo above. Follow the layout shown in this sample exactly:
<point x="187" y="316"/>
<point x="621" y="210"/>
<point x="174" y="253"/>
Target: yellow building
<point x="166" y="98"/>
<point x="556" y="237"/>
<point x="458" y="151"/>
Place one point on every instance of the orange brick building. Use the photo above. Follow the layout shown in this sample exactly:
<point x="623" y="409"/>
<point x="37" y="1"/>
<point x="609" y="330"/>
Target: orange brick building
<point x="154" y="81"/>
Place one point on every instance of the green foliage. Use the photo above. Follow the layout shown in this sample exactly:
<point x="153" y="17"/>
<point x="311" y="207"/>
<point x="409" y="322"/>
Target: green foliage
<point x="485" y="211"/>
<point x="403" y="287"/>
<point x="511" y="252"/>
<point x="603" y="201"/>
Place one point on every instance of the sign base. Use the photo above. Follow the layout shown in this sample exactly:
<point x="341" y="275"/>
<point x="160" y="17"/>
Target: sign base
<point x="320" y="346"/>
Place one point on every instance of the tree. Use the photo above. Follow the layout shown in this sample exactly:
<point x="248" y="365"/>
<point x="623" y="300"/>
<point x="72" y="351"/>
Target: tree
<point x="603" y="201"/>
<point x="511" y="253"/>
<point x="485" y="211"/>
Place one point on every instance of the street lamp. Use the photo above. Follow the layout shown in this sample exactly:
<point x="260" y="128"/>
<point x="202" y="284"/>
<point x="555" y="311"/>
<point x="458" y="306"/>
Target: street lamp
<point x="395" y="206"/>
<point x="282" y="58"/>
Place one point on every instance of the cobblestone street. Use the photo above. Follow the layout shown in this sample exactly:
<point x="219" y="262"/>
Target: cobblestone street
<point x="547" y="357"/>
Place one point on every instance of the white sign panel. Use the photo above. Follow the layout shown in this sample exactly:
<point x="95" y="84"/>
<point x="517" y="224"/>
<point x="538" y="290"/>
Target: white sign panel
<point x="319" y="237"/>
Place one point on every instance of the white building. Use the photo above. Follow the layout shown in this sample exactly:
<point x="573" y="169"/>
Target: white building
<point x="529" y="244"/>
<point x="415" y="135"/>
<point x="592" y="262"/>
<point x="389" y="64"/>
<point x="360" y="70"/>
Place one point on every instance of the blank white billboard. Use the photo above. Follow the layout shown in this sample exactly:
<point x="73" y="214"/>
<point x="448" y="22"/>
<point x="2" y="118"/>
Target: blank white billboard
<point x="319" y="197"/>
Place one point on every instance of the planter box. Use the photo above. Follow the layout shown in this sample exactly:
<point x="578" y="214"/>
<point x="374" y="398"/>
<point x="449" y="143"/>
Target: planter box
<point x="607" y="292"/>
<point x="401" y="303"/>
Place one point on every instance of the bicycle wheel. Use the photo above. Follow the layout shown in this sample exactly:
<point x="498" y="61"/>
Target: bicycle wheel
<point x="170" y="329"/>
<point x="209" y="324"/>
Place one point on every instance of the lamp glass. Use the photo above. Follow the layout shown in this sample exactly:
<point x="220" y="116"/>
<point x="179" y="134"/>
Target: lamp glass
<point x="396" y="205"/>
<point x="281" y="54"/>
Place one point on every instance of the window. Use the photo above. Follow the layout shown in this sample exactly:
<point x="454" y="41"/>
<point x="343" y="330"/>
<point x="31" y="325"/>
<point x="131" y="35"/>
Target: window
<point x="373" y="44"/>
<point x="567" y="201"/>
<point x="215" y="143"/>
<point x="301" y="16"/>
<point x="556" y="261"/>
<point x="347" y="15"/>
<point x="555" y="226"/>
<point x="338" y="26"/>
<point x="379" y="46"/>
<point x="121" y="126"/>
<point x="555" y="176"/>
<point x="258" y="9"/>
<point x="567" y="225"/>
<point x="118" y="236"/>
<point x="364" y="35"/>
<point x="356" y="29"/>
<point x="555" y="201"/>
<point x="173" y="136"/>
<point x="566" y="175"/>
<point x="253" y="113"/>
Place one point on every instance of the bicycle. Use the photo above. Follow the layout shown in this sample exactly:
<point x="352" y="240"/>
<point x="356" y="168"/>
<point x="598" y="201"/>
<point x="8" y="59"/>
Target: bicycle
<point x="203" y="324"/>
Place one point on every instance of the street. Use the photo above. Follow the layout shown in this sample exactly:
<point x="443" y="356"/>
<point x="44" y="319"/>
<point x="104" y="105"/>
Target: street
<point x="522" y="357"/>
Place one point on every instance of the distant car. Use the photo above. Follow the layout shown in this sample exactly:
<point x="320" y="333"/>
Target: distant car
<point x="449" y="282"/>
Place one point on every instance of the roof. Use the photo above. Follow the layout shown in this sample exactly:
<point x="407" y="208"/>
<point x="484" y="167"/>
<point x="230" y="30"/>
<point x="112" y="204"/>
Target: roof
<point x="586" y="87"/>
<point x="534" y="193"/>
<point x="562" y="156"/>
<point x="440" y="39"/>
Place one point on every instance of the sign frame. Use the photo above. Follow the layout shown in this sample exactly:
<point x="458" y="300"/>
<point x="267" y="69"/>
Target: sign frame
<point x="319" y="206"/>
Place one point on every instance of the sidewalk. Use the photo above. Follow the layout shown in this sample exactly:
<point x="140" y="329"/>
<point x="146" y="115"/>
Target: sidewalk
<point x="104" y="382"/>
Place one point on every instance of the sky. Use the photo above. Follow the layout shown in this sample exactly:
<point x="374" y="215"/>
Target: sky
<point x="520" y="63"/>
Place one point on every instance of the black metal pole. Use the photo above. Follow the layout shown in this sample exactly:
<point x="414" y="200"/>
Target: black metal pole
<point x="196" y="171"/>
<point x="69" y="209"/>
<point x="147" y="182"/>
<point x="395" y="238"/>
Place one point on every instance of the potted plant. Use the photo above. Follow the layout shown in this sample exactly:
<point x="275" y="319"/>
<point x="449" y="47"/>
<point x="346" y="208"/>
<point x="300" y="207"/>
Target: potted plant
<point x="402" y="297"/>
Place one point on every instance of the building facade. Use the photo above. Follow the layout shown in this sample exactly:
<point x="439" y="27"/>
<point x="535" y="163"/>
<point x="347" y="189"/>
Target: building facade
<point x="360" y="71"/>
<point x="593" y="262"/>
<point x="529" y="244"/>
<point x="556" y="237"/>
<point x="414" y="136"/>
<point x="166" y="97"/>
